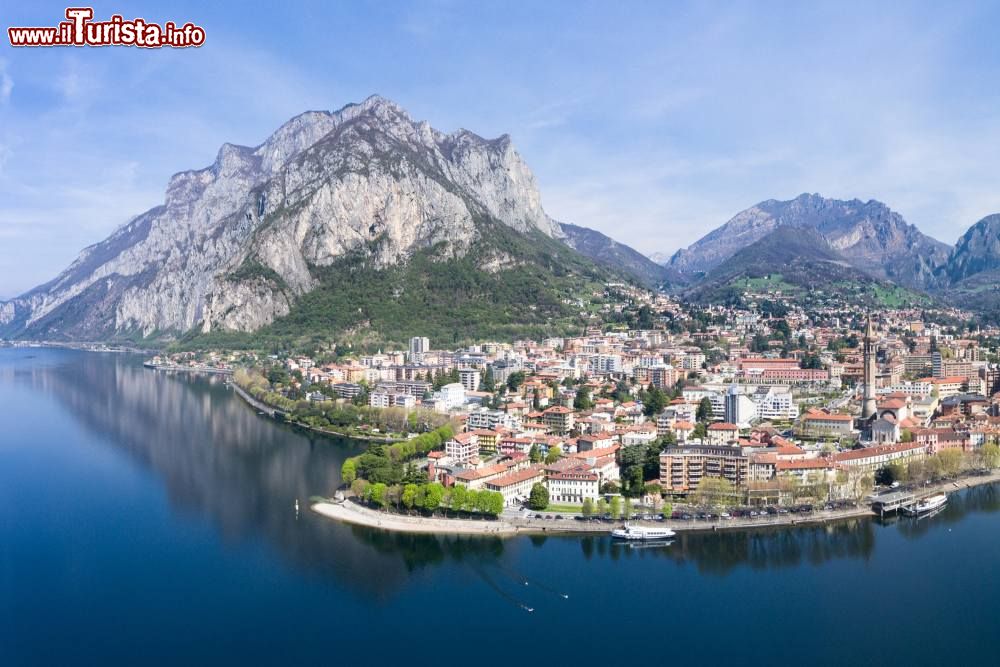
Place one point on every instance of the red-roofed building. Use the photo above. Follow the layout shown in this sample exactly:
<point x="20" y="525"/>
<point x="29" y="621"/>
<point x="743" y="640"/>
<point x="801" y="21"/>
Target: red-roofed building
<point x="573" y="486"/>
<point x="871" y="459"/>
<point x="516" y="486"/>
<point x="558" y="419"/>
<point x="822" y="424"/>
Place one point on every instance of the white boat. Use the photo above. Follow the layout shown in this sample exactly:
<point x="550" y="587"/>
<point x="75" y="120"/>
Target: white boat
<point x="928" y="504"/>
<point x="641" y="533"/>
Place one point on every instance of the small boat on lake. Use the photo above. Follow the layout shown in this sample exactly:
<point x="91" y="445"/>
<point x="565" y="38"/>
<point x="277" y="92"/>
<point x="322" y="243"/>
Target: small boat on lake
<point x="641" y="533"/>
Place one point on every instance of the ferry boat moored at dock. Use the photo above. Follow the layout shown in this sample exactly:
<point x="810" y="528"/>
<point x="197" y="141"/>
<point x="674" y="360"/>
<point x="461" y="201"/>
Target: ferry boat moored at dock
<point x="926" y="505"/>
<point x="641" y="533"/>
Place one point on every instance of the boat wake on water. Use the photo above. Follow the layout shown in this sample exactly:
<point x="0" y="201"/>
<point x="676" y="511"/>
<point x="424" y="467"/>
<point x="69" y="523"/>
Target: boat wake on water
<point x="500" y="591"/>
<point x="517" y="576"/>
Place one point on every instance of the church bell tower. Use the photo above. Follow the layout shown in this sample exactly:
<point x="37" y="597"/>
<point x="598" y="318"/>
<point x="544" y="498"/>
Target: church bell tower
<point x="868" y="407"/>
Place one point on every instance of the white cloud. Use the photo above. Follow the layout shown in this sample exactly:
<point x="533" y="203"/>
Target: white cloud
<point x="6" y="83"/>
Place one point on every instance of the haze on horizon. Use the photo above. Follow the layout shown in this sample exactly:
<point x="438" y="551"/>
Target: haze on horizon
<point x="652" y="124"/>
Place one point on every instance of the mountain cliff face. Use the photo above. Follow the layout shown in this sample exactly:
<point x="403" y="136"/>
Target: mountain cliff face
<point x="869" y="235"/>
<point x="235" y="245"/>
<point x="978" y="250"/>
<point x="794" y="257"/>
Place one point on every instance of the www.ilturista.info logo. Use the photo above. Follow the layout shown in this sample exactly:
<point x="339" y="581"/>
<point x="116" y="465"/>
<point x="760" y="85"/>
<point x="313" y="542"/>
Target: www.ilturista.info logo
<point x="80" y="30"/>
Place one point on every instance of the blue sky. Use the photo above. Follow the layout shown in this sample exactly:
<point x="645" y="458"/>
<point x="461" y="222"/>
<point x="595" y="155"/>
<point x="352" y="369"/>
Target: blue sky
<point x="652" y="122"/>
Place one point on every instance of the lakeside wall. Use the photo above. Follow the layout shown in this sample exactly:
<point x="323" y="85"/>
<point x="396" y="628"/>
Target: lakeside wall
<point x="348" y="511"/>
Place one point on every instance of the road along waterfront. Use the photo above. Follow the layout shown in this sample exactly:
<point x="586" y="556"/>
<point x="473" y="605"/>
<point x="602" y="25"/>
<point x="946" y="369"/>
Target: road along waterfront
<point x="518" y="522"/>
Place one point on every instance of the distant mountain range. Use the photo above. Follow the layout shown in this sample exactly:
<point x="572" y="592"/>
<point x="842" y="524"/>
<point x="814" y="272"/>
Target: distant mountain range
<point x="368" y="223"/>
<point x="611" y="253"/>
<point x="874" y="241"/>
<point x="869" y="235"/>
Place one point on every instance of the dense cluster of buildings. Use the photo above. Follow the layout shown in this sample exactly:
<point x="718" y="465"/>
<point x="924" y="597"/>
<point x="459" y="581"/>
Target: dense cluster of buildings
<point x="847" y="399"/>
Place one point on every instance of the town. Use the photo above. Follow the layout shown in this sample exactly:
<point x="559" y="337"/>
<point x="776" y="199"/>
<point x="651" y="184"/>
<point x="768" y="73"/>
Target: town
<point x="661" y="408"/>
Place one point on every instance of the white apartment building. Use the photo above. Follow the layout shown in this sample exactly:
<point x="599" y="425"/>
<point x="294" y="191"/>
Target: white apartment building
<point x="462" y="447"/>
<point x="573" y="487"/>
<point x="469" y="378"/>
<point x="483" y="418"/>
<point x="450" y="397"/>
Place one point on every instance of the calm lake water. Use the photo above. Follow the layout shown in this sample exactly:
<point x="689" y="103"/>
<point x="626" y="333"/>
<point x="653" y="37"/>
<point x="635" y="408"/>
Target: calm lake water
<point x="149" y="518"/>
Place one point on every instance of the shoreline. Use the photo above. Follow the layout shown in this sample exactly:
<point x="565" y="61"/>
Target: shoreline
<point x="350" y="512"/>
<point x="270" y="411"/>
<point x="176" y="368"/>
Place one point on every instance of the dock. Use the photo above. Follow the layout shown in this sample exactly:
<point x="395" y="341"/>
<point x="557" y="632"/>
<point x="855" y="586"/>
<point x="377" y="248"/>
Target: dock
<point x="896" y="501"/>
<point x="893" y="501"/>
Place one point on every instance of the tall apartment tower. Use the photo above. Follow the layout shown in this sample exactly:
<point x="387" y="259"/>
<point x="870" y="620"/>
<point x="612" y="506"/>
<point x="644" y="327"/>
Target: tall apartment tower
<point x="418" y="346"/>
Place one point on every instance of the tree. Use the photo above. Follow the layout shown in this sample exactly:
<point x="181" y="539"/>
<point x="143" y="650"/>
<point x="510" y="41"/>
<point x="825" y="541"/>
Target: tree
<point x="888" y="474"/>
<point x="700" y="431"/>
<point x="704" y="412"/>
<point x="487" y="383"/>
<point x="951" y="461"/>
<point x="535" y="453"/>
<point x="553" y="454"/>
<point x="409" y="495"/>
<point x="989" y="456"/>
<point x="494" y="503"/>
<point x="376" y="494"/>
<point x="863" y="486"/>
<point x="615" y="507"/>
<point x="602" y="507"/>
<point x="349" y="471"/>
<point x="627" y="509"/>
<point x="582" y="400"/>
<point x="539" y="497"/>
<point x="588" y="508"/>
<point x="358" y="487"/>
<point x="459" y="498"/>
<point x="515" y="380"/>
<point x="433" y="494"/>
<point x="655" y="401"/>
<point x="714" y="491"/>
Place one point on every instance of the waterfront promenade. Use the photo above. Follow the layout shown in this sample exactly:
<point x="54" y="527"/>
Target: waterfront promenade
<point x="348" y="511"/>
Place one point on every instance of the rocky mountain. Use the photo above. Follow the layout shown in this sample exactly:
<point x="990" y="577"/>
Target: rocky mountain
<point x="977" y="250"/>
<point x="608" y="252"/>
<point x="788" y="257"/>
<point x="800" y="263"/>
<point x="869" y="235"/>
<point x="973" y="269"/>
<point x="329" y="198"/>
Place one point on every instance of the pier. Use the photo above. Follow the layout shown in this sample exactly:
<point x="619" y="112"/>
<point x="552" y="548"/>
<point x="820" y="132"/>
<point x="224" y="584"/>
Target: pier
<point x="893" y="502"/>
<point x="176" y="368"/>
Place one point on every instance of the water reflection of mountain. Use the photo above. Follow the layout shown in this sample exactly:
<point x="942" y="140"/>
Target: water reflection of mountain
<point x="218" y="459"/>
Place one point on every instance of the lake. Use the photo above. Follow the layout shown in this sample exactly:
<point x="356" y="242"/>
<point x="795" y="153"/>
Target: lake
<point x="149" y="518"/>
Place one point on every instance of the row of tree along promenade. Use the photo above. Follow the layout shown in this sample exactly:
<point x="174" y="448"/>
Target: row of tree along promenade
<point x="361" y="511"/>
